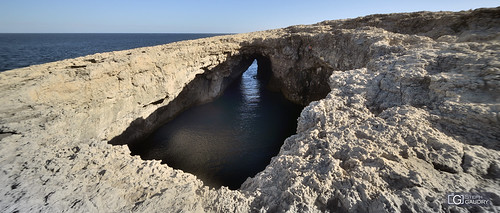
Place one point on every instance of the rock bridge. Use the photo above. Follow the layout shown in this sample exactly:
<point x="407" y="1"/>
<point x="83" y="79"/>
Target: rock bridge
<point x="400" y="110"/>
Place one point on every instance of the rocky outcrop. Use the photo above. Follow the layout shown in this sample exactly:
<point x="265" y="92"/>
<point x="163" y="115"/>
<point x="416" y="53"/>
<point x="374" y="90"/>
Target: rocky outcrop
<point x="402" y="109"/>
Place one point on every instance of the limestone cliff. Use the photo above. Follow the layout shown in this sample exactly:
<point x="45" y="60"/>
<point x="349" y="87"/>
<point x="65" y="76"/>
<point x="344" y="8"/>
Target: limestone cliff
<point x="402" y="109"/>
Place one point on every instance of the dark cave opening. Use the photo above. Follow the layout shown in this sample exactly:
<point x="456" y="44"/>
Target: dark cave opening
<point x="234" y="137"/>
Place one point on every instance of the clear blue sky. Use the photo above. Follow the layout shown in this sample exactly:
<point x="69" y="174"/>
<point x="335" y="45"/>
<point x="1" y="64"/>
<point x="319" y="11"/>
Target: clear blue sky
<point x="152" y="16"/>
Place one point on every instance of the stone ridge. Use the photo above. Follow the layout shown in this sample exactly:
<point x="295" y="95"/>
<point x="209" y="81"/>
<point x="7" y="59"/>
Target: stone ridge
<point x="402" y="109"/>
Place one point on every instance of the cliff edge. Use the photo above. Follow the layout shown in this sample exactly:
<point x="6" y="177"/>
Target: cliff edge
<point x="401" y="110"/>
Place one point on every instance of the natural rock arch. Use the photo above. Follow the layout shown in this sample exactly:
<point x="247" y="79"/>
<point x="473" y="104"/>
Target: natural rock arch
<point x="203" y="88"/>
<point x="411" y="114"/>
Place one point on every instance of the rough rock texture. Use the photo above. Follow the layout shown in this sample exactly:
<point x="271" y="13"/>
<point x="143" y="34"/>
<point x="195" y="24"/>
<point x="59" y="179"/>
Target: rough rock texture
<point x="402" y="109"/>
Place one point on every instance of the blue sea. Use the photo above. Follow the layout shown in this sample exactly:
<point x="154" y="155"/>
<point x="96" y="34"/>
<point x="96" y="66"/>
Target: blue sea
<point x="25" y="49"/>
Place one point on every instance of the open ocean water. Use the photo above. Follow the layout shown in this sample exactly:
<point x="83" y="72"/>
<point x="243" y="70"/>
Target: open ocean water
<point x="25" y="49"/>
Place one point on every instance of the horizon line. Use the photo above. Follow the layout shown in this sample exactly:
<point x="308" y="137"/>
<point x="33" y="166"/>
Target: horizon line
<point x="111" y="33"/>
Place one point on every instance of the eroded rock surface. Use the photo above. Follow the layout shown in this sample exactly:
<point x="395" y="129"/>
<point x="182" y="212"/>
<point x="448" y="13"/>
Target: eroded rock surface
<point x="402" y="109"/>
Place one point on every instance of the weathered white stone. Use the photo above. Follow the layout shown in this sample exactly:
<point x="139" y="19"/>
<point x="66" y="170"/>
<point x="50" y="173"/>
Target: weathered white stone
<point x="405" y="109"/>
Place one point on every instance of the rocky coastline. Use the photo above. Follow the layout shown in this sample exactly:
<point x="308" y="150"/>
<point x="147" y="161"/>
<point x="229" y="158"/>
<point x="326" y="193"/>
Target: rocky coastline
<point x="401" y="110"/>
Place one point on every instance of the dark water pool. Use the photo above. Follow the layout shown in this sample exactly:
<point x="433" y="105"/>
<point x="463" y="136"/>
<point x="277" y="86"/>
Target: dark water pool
<point x="228" y="140"/>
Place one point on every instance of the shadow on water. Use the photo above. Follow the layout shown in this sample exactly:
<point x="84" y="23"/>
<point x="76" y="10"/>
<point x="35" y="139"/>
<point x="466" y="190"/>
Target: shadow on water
<point x="228" y="140"/>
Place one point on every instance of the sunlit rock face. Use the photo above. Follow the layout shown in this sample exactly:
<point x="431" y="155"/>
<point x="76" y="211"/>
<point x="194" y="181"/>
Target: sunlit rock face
<point x="402" y="109"/>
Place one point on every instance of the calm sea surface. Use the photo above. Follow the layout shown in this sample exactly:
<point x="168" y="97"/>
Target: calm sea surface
<point x="21" y="50"/>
